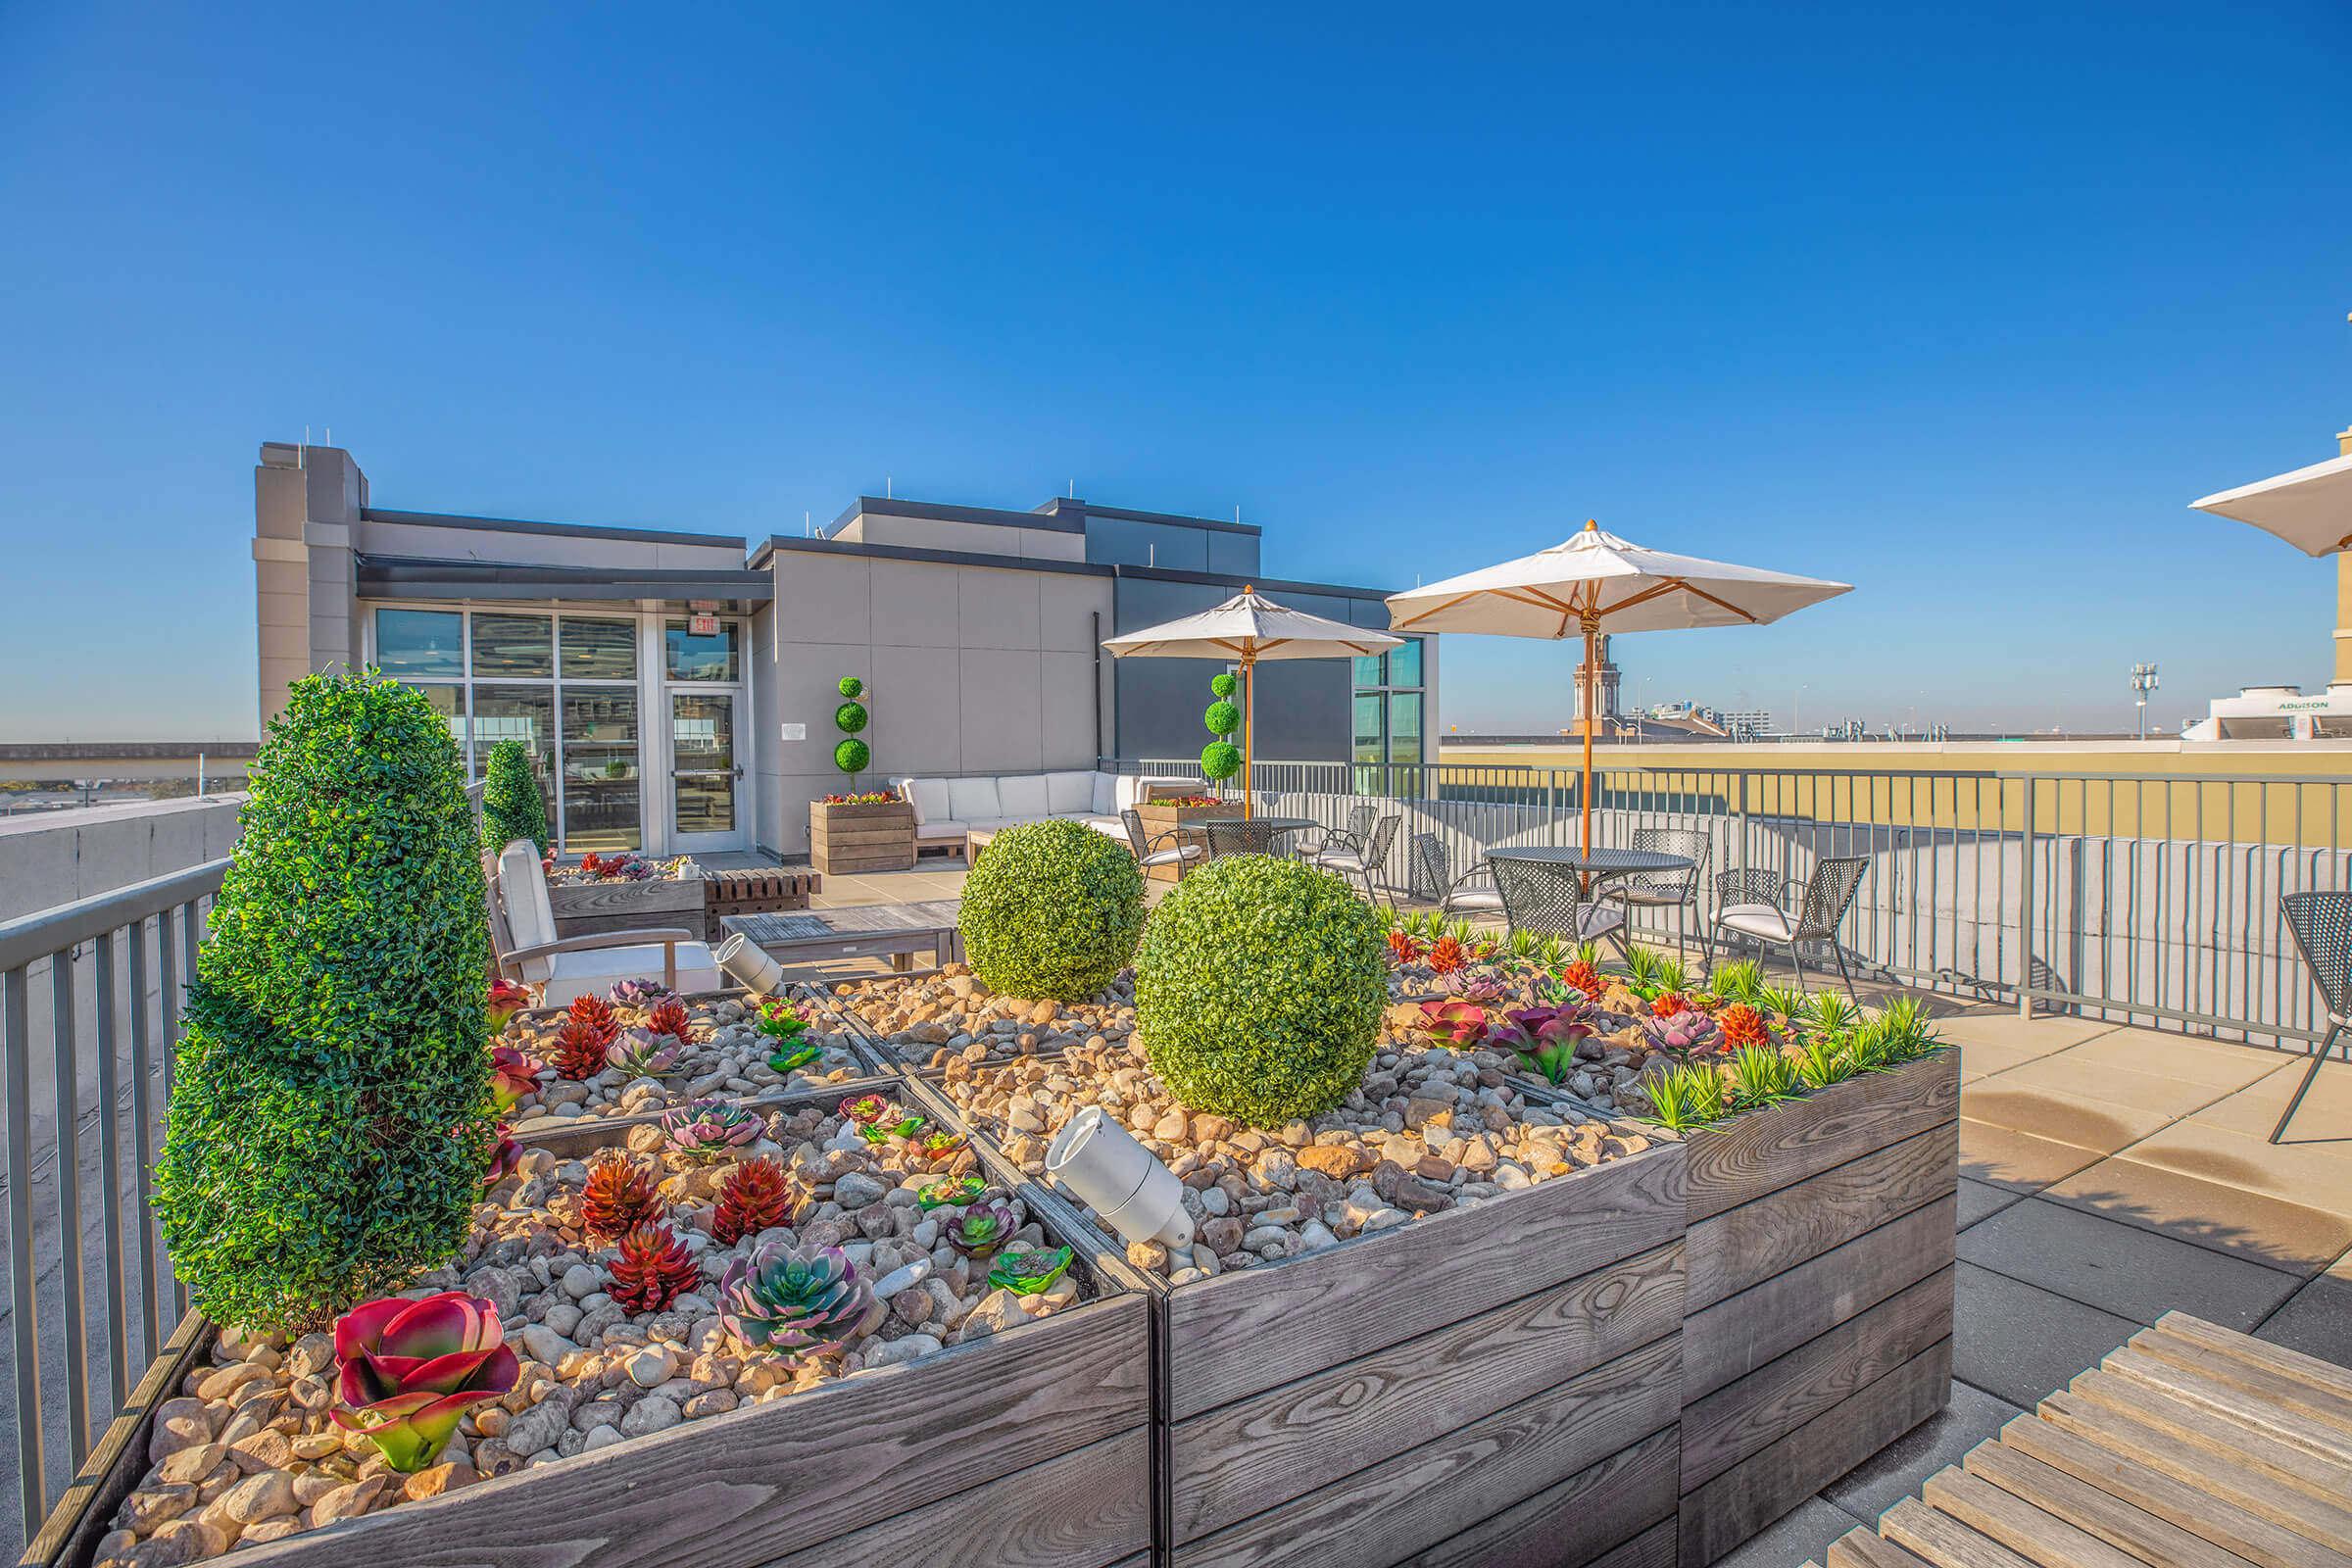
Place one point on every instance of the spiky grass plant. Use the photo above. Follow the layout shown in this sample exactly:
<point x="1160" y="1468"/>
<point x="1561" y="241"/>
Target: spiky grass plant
<point x="1741" y="980"/>
<point x="1910" y="1031"/>
<point x="1785" y="1002"/>
<point x="1670" y="975"/>
<point x="1761" y="1076"/>
<point x="1832" y="1014"/>
<point x="1822" y="1061"/>
<point x="1686" y="1095"/>
<point x="1642" y="963"/>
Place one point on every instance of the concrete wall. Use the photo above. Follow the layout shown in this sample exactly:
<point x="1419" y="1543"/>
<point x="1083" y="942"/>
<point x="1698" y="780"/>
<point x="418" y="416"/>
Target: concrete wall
<point x="969" y="669"/>
<point x="1017" y="542"/>
<point x="305" y="502"/>
<point x="59" y="857"/>
<point x="419" y="535"/>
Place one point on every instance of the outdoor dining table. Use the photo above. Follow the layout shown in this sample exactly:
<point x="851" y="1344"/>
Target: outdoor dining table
<point x="1268" y="827"/>
<point x="1596" y="864"/>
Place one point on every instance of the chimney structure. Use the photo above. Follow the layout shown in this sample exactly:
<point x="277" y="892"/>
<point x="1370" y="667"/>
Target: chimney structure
<point x="307" y="503"/>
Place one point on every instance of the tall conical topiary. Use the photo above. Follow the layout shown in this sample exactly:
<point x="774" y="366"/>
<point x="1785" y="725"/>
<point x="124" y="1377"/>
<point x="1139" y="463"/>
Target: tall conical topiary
<point x="331" y="1116"/>
<point x="512" y="806"/>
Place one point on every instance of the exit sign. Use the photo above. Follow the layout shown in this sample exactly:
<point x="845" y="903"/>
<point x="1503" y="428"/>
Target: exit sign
<point x="701" y="625"/>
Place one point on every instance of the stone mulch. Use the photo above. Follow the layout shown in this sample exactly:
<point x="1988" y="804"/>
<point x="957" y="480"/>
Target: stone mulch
<point x="727" y="1058"/>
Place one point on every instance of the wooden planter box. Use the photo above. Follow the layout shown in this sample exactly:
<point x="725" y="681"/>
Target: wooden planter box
<point x="1820" y="1262"/>
<point x="848" y="839"/>
<point x="583" y="908"/>
<point x="1159" y="819"/>
<point x="1030" y="1446"/>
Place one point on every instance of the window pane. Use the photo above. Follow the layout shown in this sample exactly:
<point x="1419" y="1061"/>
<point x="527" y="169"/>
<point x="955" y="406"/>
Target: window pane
<point x="420" y="643"/>
<point x="525" y="714"/>
<point x="693" y="658"/>
<point x="702" y="739"/>
<point x="598" y="650"/>
<point x="1404" y="727"/>
<point x="1404" y="663"/>
<point x="1367" y="670"/>
<point x="1367" y="728"/>
<point x="450" y="703"/>
<point x="514" y="645"/>
<point x="599" y="770"/>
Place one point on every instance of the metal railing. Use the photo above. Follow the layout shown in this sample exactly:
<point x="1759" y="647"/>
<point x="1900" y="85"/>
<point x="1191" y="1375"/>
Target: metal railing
<point x="2124" y="896"/>
<point x="104" y="980"/>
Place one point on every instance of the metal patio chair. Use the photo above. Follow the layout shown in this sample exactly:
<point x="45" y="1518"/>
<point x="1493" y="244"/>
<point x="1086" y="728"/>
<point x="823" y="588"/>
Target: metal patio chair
<point x="2322" y="926"/>
<point x="1749" y="903"/>
<point x="1253" y="835"/>
<point x="1549" y="901"/>
<point x="1472" y="894"/>
<point x="1183" y="849"/>
<point x="1350" y="837"/>
<point x="1359" y="863"/>
<point x="1670" y="890"/>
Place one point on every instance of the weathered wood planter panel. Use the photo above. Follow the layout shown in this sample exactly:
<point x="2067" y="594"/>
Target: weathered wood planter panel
<point x="846" y="839"/>
<point x="1820" y="1259"/>
<point x="584" y="908"/>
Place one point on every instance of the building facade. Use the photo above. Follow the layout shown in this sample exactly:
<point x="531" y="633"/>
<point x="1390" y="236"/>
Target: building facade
<point x="679" y="689"/>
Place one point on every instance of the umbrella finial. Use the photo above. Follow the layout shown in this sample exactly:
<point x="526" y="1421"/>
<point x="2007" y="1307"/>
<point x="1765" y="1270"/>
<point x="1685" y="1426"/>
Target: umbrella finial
<point x="1592" y="525"/>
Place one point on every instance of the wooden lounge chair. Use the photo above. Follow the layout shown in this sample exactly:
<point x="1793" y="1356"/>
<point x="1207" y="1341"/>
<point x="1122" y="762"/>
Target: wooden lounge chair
<point x="526" y="949"/>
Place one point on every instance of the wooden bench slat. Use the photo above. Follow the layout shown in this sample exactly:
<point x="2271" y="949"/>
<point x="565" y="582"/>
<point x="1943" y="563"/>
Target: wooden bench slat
<point x="2230" y="1395"/>
<point x="2215" y="1470"/>
<point x="2023" y="1527"/>
<point x="2199" y="1512"/>
<point x="2286" y="1389"/>
<point x="2215" y="1433"/>
<point x="1943" y="1541"/>
<point x="1865" y="1547"/>
<point x="2261" y="1352"/>
<point x="2116" y="1519"/>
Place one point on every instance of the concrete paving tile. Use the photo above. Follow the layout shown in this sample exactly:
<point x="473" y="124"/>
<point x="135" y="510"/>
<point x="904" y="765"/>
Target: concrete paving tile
<point x="2226" y="1219"/>
<point x="1801" y="1535"/>
<point x="1981" y="1200"/>
<point x="2019" y="1341"/>
<point x="2315" y="1175"/>
<point x="2317" y="1320"/>
<point x="2017" y="1160"/>
<point x="2323" y="1118"/>
<point x="2106" y="1084"/>
<point x="1898" y="1470"/>
<point x="2122" y="1269"/>
<point x="2197" y="1061"/>
<point x="2039" y="1036"/>
<point x="2053" y="1114"/>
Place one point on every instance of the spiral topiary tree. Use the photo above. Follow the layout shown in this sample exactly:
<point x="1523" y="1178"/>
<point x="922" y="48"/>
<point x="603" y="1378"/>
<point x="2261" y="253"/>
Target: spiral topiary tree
<point x="1051" y="910"/>
<point x="331" y="1114"/>
<point x="1220" y="758"/>
<point x="512" y="806"/>
<point x="1259" y="989"/>
<point x="850" y="755"/>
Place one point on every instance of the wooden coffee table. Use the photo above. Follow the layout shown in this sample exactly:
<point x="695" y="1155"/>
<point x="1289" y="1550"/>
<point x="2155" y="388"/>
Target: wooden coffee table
<point x="895" y="931"/>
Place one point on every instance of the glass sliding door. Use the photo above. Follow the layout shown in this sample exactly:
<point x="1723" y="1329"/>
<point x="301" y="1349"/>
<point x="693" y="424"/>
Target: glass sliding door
<point x="706" y="780"/>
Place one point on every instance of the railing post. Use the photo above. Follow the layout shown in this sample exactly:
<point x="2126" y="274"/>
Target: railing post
<point x="2025" y="910"/>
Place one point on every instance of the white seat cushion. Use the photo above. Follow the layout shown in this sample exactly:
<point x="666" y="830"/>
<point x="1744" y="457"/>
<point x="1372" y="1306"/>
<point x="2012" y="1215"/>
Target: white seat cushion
<point x="945" y="827"/>
<point x="929" y="797"/>
<point x="1757" y="920"/>
<point x="1022" y="796"/>
<point x="1112" y="825"/>
<point x="1477" y="898"/>
<point x="1173" y="854"/>
<point x="522" y="892"/>
<point x="973" y="799"/>
<point x="1105" y="802"/>
<point x="1342" y="860"/>
<point x="1069" y="794"/>
<point x="1598" y="920"/>
<point x="575" y="974"/>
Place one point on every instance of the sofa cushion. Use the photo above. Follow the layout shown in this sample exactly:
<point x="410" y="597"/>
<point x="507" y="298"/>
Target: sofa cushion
<point x="1107" y="795"/>
<point x="973" y="799"/>
<point x="522" y="890"/>
<point x="1023" y="796"/>
<point x="1069" y="794"/>
<point x="938" y="828"/>
<point x="929" y="797"/>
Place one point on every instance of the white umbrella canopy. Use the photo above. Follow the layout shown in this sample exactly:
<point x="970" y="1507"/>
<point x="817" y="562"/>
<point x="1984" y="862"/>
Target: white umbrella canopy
<point x="2310" y="509"/>
<point x="1597" y="582"/>
<point x="1246" y="628"/>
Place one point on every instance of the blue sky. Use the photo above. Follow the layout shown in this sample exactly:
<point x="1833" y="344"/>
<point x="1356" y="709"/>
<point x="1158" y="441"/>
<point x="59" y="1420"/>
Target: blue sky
<point x="1960" y="308"/>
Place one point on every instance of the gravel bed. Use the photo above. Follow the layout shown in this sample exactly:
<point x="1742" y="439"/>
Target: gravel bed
<point x="1609" y="1065"/>
<point x="727" y="1058"/>
<point x="950" y="1014"/>
<point x="244" y="1451"/>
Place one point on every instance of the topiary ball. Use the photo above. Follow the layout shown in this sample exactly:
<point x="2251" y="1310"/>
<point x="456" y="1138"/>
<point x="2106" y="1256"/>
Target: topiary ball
<point x="1224" y="685"/>
<point x="852" y="756"/>
<point x="852" y="686"/>
<point x="1222" y="718"/>
<point x="1259" y="988"/>
<point x="849" y="717"/>
<point x="1221" y="759"/>
<point x="1051" y="910"/>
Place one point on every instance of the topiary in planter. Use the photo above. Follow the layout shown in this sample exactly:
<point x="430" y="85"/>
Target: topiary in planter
<point x="511" y="805"/>
<point x="1051" y="910"/>
<point x="331" y="1116"/>
<point x="1259" y="989"/>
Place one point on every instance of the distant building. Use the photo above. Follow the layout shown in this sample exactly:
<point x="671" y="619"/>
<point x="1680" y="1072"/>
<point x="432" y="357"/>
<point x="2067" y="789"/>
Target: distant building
<point x="2277" y="714"/>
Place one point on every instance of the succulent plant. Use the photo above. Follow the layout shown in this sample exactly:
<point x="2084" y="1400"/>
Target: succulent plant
<point x="578" y="1050"/>
<point x="642" y="1053"/>
<point x="1545" y="1038"/>
<point x="752" y="1198"/>
<point x="1744" y="1025"/>
<point x="981" y="1229"/>
<point x="941" y="1142"/>
<point x="782" y="1300"/>
<point x="1583" y="977"/>
<point x="882" y="1132"/>
<point x="778" y="1020"/>
<point x="639" y="993"/>
<point x="712" y="1129"/>
<point x="651" y="1270"/>
<point x="866" y="1110"/>
<point x="955" y="1190"/>
<point x="670" y="1019"/>
<point x="595" y="1014"/>
<point x="1762" y="1075"/>
<point x="1404" y="947"/>
<point x="1666" y="1003"/>
<point x="507" y="999"/>
<point x="1446" y="955"/>
<point x="618" y="1197"/>
<point x="794" y="1056"/>
<point x="1459" y="1024"/>
<point x="505" y="1157"/>
<point x="408" y="1370"/>
<point x="1481" y="983"/>
<point x="1031" y="1271"/>
<point x="512" y="1075"/>
<point x="1682" y="1035"/>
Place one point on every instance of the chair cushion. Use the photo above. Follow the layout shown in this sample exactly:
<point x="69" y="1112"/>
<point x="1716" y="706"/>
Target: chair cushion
<point x="1345" y="860"/>
<point x="1069" y="794"/>
<point x="1757" y="920"/>
<point x="575" y="974"/>
<point x="1598" y="920"/>
<point x="523" y="889"/>
<point x="1173" y="854"/>
<point x="945" y="827"/>
<point x="973" y="799"/>
<point x="929" y="797"/>
<point x="1023" y="797"/>
<point x="1105" y="798"/>
<point x="1477" y="898"/>
<point x="1112" y="825"/>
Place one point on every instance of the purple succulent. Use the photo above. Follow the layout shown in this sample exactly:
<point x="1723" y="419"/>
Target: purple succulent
<point x="711" y="1129"/>
<point x="640" y="994"/>
<point x="1681" y="1036"/>
<point x="1546" y="1038"/>
<point x="642" y="1053"/>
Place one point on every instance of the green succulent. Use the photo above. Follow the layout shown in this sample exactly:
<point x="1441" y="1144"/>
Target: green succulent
<point x="1030" y="1272"/>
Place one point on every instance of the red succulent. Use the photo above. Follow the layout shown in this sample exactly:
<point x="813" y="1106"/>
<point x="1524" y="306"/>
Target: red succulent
<point x="1666" y="1003"/>
<point x="578" y="1050"/>
<point x="1744" y="1025"/>
<point x="504" y="1159"/>
<point x="1459" y="1024"/>
<point x="653" y="1270"/>
<point x="411" y="1369"/>
<point x="1404" y="947"/>
<point x="670" y="1019"/>
<point x="1447" y="955"/>
<point x="752" y="1198"/>
<point x="592" y="1012"/>
<point x="1584" y="978"/>
<point x="512" y="1075"/>
<point x="617" y="1198"/>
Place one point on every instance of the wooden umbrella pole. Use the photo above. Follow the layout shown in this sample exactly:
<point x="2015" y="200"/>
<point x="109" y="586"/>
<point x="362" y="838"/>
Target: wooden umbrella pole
<point x="1592" y="652"/>
<point x="1249" y="732"/>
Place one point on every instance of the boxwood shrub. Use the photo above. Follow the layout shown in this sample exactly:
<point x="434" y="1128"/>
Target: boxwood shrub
<point x="511" y="805"/>
<point x="1259" y="989"/>
<point x="1051" y="910"/>
<point x="331" y="1114"/>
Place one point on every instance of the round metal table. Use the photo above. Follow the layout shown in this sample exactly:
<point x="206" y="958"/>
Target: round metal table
<point x="1269" y="826"/>
<point x="1597" y="865"/>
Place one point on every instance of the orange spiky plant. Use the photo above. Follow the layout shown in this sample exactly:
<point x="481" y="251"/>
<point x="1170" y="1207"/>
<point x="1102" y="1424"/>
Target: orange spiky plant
<point x="578" y="1050"/>
<point x="595" y="1014"/>
<point x="1446" y="955"/>
<point x="1584" y="978"/>
<point x="754" y="1197"/>
<point x="670" y="1019"/>
<point x="1666" y="1003"/>
<point x="617" y="1198"/>
<point x="1744" y="1025"/>
<point x="653" y="1270"/>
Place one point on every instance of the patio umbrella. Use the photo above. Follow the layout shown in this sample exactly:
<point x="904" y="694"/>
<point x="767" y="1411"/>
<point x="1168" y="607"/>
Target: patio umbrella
<point x="1597" y="582"/>
<point x="1250" y="627"/>
<point x="2310" y="509"/>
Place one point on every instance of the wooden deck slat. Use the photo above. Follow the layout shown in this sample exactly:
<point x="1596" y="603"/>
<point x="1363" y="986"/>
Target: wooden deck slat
<point x="1866" y="1548"/>
<point x="2261" y="1352"/>
<point x="2024" y="1529"/>
<point x="2214" y="1469"/>
<point x="2213" y="1433"/>
<point x="2230" y="1397"/>
<point x="2265" y="1380"/>
<point x="2225" y="1524"/>
<point x="2118" y="1520"/>
<point x="1943" y="1541"/>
